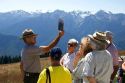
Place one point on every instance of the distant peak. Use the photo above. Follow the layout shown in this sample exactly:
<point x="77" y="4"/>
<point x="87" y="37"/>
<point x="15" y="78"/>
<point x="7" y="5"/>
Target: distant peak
<point x="19" y="12"/>
<point x="101" y="12"/>
<point x="57" y="11"/>
<point x="81" y="13"/>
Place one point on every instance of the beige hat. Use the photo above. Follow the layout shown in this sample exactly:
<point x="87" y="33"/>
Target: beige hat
<point x="27" y="32"/>
<point x="99" y="37"/>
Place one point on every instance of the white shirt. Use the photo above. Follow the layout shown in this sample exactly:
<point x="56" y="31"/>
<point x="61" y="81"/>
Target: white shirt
<point x="68" y="60"/>
<point x="98" y="64"/>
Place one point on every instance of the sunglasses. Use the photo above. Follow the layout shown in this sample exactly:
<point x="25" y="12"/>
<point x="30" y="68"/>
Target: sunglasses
<point x="70" y="45"/>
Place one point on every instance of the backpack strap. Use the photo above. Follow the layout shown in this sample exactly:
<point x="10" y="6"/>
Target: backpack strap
<point x="48" y="75"/>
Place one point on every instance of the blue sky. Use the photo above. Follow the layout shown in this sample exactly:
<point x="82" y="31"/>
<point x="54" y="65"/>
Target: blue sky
<point x="115" y="6"/>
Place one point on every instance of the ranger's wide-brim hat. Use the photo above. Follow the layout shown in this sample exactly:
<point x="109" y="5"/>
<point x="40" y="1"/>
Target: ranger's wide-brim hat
<point x="26" y="33"/>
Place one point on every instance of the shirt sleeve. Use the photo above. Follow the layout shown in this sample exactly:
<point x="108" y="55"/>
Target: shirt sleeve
<point x="89" y="65"/>
<point x="42" y="77"/>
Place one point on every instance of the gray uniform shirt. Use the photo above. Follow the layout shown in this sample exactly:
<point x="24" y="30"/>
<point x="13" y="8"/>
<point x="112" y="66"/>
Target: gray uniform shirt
<point x="98" y="64"/>
<point x="30" y="56"/>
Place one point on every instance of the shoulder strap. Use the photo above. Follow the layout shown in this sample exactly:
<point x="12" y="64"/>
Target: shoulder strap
<point x="48" y="75"/>
<point x="121" y="58"/>
<point x="108" y="46"/>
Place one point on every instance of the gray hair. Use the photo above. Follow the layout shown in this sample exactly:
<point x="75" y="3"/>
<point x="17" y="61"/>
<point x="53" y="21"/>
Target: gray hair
<point x="87" y="48"/>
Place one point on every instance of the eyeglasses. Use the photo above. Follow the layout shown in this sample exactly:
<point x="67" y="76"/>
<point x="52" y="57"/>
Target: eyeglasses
<point x="70" y="45"/>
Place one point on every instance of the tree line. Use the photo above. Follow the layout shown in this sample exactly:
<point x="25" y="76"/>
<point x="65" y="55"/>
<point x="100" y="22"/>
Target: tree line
<point x="8" y="59"/>
<point x="5" y="59"/>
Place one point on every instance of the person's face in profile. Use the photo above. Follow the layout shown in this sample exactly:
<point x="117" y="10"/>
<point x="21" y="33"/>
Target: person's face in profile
<point x="31" y="40"/>
<point x="71" y="47"/>
<point x="85" y="46"/>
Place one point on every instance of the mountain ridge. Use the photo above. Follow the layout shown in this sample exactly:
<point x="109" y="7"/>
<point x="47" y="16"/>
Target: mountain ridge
<point x="77" y="25"/>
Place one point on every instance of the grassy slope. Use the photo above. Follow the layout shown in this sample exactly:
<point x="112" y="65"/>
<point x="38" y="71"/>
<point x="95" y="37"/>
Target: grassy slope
<point x="10" y="73"/>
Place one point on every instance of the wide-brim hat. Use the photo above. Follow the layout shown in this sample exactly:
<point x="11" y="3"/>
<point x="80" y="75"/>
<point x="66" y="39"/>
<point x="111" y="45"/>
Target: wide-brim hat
<point x="27" y="33"/>
<point x="99" y="37"/>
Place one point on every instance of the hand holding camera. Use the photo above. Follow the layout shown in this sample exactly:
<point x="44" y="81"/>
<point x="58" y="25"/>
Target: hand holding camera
<point x="61" y="25"/>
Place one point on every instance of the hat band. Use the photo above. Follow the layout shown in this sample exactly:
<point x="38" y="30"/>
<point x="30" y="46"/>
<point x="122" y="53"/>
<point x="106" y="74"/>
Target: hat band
<point x="28" y="34"/>
<point x="98" y="39"/>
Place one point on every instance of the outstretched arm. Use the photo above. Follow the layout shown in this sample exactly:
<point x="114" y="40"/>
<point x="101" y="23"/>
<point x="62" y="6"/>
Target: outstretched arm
<point x="53" y="43"/>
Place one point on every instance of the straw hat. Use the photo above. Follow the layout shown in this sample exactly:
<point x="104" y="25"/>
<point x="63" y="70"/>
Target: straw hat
<point x="99" y="37"/>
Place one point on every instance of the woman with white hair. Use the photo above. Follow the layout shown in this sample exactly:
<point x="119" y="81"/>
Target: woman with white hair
<point x="79" y="59"/>
<point x="68" y="58"/>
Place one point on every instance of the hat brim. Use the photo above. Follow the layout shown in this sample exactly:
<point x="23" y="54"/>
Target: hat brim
<point x="22" y="37"/>
<point x="98" y="41"/>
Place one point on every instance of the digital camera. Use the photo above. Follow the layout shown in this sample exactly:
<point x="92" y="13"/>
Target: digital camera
<point x="60" y="25"/>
